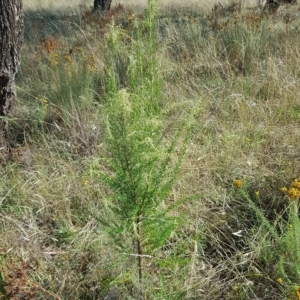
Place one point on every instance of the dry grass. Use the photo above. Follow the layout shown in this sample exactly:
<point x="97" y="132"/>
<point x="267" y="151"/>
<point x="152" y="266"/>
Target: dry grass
<point x="239" y="71"/>
<point x="52" y="4"/>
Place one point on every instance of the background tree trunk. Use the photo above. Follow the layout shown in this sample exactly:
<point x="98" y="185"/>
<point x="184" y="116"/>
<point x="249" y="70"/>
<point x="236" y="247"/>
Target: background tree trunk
<point x="11" y="38"/>
<point x="104" y="5"/>
<point x="273" y="5"/>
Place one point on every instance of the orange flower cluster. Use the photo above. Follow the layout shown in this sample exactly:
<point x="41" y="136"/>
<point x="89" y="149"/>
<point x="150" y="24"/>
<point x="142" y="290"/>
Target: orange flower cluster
<point x="298" y="293"/>
<point x="49" y="45"/>
<point x="293" y="191"/>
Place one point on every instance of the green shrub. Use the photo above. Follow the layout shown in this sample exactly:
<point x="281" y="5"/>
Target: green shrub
<point x="142" y="163"/>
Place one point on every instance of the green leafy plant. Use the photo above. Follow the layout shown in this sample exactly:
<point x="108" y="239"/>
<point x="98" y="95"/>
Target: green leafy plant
<point x="289" y="261"/>
<point x="281" y="237"/>
<point x="143" y="163"/>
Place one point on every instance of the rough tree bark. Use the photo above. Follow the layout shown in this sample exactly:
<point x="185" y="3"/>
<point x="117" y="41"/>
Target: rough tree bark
<point x="11" y="38"/>
<point x="104" y="5"/>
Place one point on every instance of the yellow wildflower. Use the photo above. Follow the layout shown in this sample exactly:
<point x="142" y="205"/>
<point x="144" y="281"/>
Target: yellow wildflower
<point x="298" y="293"/>
<point x="85" y="182"/>
<point x="296" y="184"/>
<point x="53" y="62"/>
<point x="237" y="183"/>
<point x="293" y="193"/>
<point x="44" y="100"/>
<point x="279" y="280"/>
<point x="68" y="58"/>
<point x="257" y="193"/>
<point x="284" y="189"/>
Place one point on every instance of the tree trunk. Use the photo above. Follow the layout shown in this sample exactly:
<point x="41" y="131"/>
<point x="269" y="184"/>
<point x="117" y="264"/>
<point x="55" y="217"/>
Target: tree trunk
<point x="273" y="5"/>
<point x="11" y="38"/>
<point x="104" y="5"/>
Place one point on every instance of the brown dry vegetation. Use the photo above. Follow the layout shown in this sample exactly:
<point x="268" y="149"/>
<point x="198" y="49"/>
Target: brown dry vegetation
<point x="239" y="71"/>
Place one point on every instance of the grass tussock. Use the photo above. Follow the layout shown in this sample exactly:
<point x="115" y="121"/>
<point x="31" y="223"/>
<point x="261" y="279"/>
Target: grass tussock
<point x="155" y="155"/>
